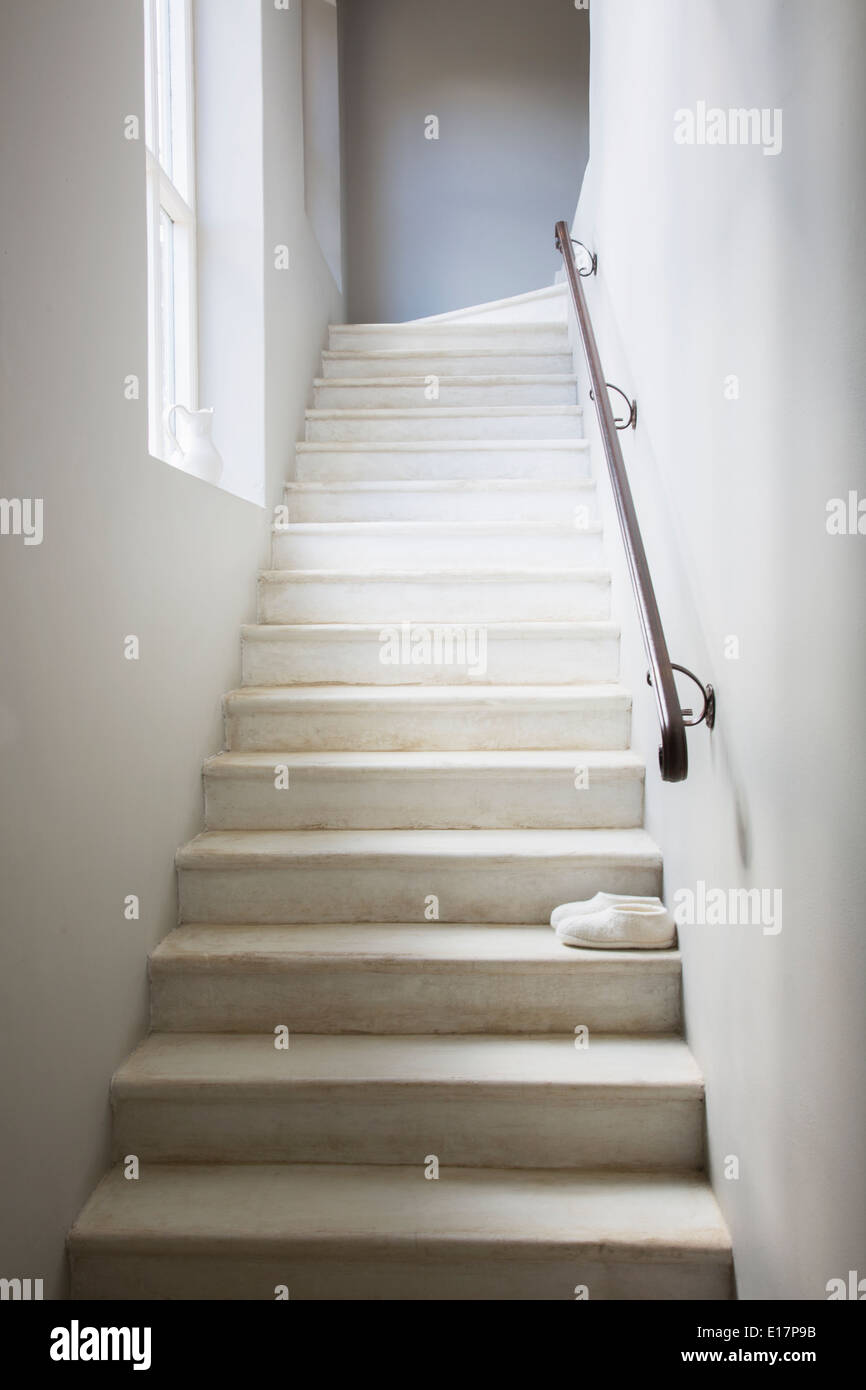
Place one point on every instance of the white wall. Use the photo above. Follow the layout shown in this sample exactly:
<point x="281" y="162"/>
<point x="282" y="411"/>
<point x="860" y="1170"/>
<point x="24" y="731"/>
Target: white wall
<point x="719" y="260"/>
<point x="101" y="757"/>
<point x="433" y="225"/>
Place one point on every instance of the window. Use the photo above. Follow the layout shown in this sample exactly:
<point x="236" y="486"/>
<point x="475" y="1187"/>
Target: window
<point x="171" y="221"/>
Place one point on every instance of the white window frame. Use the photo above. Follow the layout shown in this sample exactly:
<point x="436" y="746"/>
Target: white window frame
<point x="170" y="174"/>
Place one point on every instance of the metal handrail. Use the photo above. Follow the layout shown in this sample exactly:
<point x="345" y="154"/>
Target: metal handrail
<point x="673" y="750"/>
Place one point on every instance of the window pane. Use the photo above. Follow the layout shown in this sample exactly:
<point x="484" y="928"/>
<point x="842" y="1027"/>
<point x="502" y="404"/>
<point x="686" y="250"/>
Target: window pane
<point x="180" y="68"/>
<point x="166" y="309"/>
<point x="164" y="84"/>
<point x="150" y="115"/>
<point x="172" y="342"/>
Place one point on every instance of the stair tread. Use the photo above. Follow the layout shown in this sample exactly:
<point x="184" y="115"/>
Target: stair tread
<point x="483" y="379"/>
<point x="417" y="412"/>
<point x="436" y="446"/>
<point x="263" y="848"/>
<point x="238" y="762"/>
<point x="169" y="1063"/>
<point x="525" y="630"/>
<point x="357" y="696"/>
<point x="450" y="325"/>
<point x="451" y="528"/>
<point x="461" y="485"/>
<point x="268" y="1206"/>
<point x="463" y="573"/>
<point x="441" y="350"/>
<point x="445" y="947"/>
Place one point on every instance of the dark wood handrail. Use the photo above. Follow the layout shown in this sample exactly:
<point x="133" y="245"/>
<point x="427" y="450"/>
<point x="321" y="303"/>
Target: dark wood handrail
<point x="673" y="750"/>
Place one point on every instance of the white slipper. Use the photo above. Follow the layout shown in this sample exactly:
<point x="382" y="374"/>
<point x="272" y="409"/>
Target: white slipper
<point x="597" y="904"/>
<point x="639" y="927"/>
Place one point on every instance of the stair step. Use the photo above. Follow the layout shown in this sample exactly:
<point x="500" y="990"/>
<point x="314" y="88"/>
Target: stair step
<point x="276" y="876"/>
<point x="443" y="500"/>
<point x="421" y="336"/>
<point x="399" y="392"/>
<point x="306" y="718"/>
<point x="474" y="459"/>
<point x="439" y="361"/>
<point x="406" y="978"/>
<point x="344" y="1232"/>
<point x="438" y="791"/>
<point x="469" y="597"/>
<point x="506" y="1102"/>
<point x="412" y="545"/>
<point x="446" y="422"/>
<point x="370" y="654"/>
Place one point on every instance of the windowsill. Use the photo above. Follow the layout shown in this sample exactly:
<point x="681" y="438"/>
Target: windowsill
<point x="233" y="486"/>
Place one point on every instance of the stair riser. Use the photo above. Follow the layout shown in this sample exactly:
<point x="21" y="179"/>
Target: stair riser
<point x="404" y="730"/>
<point x="421" y="393"/>
<point x="348" y="550"/>
<point x="433" y="338"/>
<point x="358" y="661"/>
<point x="411" y="426"/>
<point x="539" y="464"/>
<point x="380" y="996"/>
<point x="471" y="1125"/>
<point x="350" y="1270"/>
<point x="459" y="601"/>
<point x="515" y="505"/>
<point x="479" y="363"/>
<point x="461" y="800"/>
<point x="344" y="888"/>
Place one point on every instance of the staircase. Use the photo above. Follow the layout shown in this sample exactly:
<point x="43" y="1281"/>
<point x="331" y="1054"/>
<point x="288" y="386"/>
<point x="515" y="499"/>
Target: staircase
<point x="388" y="905"/>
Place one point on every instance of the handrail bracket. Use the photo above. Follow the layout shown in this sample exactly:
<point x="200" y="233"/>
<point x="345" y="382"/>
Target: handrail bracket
<point x="708" y="711"/>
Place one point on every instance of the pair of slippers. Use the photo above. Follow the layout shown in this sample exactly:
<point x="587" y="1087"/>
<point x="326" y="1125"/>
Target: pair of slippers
<point x="615" y="922"/>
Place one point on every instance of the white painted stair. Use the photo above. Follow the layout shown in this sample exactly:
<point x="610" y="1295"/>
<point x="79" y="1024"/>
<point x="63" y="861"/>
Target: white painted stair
<point x="379" y="1232"/>
<point x="389" y="875"/>
<point x="429" y="790"/>
<point x="475" y="1100"/>
<point x="579" y="716"/>
<point x="401" y="545"/>
<point x="405" y="978"/>
<point x="467" y="595"/>
<point x="392" y="392"/>
<point x="450" y="500"/>
<point x="551" y="654"/>
<point x="429" y="751"/>
<point x="530" y="460"/>
<point x="444" y="362"/>
<point x="442" y="422"/>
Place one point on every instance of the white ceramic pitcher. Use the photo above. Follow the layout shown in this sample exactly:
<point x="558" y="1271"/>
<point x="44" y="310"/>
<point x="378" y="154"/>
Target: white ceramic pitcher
<point x="201" y="457"/>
